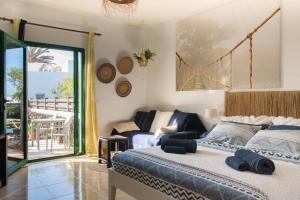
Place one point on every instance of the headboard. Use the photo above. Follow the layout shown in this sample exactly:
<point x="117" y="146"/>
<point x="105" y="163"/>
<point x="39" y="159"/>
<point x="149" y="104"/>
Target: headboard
<point x="271" y="103"/>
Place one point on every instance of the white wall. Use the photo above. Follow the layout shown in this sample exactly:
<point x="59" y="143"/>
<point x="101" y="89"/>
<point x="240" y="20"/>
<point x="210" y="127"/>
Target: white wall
<point x="161" y="76"/>
<point x="116" y="39"/>
<point x="154" y="86"/>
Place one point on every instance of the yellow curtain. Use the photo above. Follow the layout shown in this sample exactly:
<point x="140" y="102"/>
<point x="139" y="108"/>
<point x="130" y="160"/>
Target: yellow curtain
<point x="91" y="125"/>
<point x="16" y="26"/>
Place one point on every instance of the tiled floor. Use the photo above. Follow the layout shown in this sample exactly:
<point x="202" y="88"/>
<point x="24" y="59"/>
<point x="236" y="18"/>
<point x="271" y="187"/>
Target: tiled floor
<point x="65" y="179"/>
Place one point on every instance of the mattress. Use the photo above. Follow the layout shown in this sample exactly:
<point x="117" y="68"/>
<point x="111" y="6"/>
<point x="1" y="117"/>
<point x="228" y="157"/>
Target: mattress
<point x="204" y="175"/>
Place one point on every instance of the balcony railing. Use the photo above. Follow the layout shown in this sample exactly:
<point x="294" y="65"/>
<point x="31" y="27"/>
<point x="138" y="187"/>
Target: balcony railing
<point x="52" y="104"/>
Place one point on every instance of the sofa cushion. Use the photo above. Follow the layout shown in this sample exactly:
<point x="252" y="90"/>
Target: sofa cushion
<point x="126" y="126"/>
<point x="178" y="119"/>
<point x="144" y="120"/>
<point x="161" y="119"/>
<point x="165" y="130"/>
<point x="187" y="122"/>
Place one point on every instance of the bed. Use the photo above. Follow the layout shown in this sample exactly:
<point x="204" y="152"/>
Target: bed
<point x="149" y="174"/>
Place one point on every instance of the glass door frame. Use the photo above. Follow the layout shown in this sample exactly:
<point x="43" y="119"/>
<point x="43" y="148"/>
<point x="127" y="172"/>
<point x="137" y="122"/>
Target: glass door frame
<point x="3" y="41"/>
<point x="77" y="145"/>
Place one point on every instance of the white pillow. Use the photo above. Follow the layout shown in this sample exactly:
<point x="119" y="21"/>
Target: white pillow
<point x="126" y="126"/>
<point x="286" y="121"/>
<point x="161" y="119"/>
<point x="232" y="133"/>
<point x="167" y="129"/>
<point x="283" y="141"/>
<point x="263" y="119"/>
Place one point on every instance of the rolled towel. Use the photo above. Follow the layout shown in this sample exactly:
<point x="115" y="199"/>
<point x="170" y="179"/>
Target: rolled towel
<point x="257" y="163"/>
<point x="189" y="145"/>
<point x="173" y="149"/>
<point x="236" y="163"/>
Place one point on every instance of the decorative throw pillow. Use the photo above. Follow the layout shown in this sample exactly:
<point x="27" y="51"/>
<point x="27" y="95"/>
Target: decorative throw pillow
<point x="262" y="119"/>
<point x="165" y="130"/>
<point x="126" y="126"/>
<point x="257" y="126"/>
<point x="283" y="141"/>
<point x="232" y="133"/>
<point x="286" y="121"/>
<point x="161" y="119"/>
<point x="144" y="120"/>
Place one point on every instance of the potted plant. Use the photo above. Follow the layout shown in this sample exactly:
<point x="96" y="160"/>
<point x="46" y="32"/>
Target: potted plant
<point x="31" y="131"/>
<point x="143" y="57"/>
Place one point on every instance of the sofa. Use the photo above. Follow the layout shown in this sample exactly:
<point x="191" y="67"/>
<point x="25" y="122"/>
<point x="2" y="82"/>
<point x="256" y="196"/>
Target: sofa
<point x="189" y="126"/>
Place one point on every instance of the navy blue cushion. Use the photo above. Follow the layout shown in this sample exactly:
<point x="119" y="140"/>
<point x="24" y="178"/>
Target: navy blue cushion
<point x="284" y="127"/>
<point x="178" y="119"/>
<point x="187" y="122"/>
<point x="187" y="135"/>
<point x="144" y="120"/>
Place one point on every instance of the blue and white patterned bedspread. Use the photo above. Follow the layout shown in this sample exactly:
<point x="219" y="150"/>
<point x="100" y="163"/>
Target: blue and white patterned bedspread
<point x="203" y="175"/>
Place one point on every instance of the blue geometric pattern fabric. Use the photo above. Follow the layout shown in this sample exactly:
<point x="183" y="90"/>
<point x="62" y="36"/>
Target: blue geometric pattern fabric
<point x="181" y="181"/>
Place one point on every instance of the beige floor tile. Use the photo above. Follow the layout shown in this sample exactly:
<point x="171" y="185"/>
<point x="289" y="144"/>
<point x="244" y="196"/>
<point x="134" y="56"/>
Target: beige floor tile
<point x="65" y="188"/>
<point x="31" y="194"/>
<point x="64" y="179"/>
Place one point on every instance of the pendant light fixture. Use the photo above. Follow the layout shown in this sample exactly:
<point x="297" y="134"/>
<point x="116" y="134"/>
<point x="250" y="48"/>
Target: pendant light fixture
<point x="120" y="6"/>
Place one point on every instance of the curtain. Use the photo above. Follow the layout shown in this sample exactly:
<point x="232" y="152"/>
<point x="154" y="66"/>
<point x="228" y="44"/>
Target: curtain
<point x="91" y="125"/>
<point x="16" y="26"/>
<point x="19" y="28"/>
<point x="21" y="33"/>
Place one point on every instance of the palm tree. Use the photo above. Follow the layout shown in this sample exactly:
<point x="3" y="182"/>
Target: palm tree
<point x="35" y="55"/>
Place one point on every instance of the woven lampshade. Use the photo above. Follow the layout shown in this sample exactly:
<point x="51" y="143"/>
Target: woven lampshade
<point x="122" y="1"/>
<point x="119" y="6"/>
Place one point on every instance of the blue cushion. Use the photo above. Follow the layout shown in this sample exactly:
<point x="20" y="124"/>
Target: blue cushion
<point x="187" y="122"/>
<point x="144" y="120"/>
<point x="284" y="127"/>
<point x="178" y="119"/>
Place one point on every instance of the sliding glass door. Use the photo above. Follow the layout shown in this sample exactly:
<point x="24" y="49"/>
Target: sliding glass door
<point x="13" y="99"/>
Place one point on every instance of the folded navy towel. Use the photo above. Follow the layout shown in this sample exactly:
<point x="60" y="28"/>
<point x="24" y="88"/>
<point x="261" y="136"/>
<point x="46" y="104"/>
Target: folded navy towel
<point x="257" y="163"/>
<point x="189" y="145"/>
<point x="236" y="163"/>
<point x="173" y="149"/>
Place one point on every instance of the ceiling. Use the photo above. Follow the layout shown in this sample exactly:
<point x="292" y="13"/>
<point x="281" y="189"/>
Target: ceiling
<point x="149" y="12"/>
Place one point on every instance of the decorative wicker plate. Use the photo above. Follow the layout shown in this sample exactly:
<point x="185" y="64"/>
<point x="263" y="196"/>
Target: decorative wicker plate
<point x="106" y="73"/>
<point x="125" y="65"/>
<point x="123" y="88"/>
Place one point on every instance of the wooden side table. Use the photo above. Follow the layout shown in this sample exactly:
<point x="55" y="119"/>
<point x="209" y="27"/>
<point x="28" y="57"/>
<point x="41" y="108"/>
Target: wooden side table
<point x="110" y="140"/>
<point x="3" y="160"/>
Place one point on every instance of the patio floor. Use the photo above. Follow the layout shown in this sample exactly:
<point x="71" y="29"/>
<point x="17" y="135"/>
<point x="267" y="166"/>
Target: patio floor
<point x="33" y="152"/>
<point x="57" y="150"/>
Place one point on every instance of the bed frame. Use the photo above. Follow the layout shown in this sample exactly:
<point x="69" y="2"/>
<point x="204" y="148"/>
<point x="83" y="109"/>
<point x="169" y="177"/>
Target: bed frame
<point x="131" y="187"/>
<point x="272" y="103"/>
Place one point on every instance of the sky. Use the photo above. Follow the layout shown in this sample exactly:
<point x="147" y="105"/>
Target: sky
<point x="39" y="82"/>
